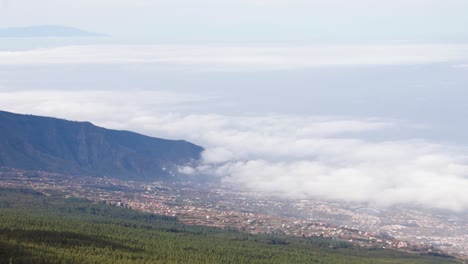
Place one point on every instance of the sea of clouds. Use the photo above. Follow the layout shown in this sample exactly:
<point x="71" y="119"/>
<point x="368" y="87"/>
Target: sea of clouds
<point x="285" y="155"/>
<point x="289" y="155"/>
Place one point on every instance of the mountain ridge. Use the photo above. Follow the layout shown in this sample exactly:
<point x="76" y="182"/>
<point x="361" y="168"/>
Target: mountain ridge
<point x="80" y="148"/>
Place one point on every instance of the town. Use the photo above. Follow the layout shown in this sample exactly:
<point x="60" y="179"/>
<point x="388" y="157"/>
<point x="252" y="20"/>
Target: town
<point x="221" y="206"/>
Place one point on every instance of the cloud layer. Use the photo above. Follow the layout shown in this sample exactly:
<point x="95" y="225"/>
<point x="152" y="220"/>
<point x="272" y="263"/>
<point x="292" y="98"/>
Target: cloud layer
<point x="240" y="58"/>
<point x="294" y="156"/>
<point x="130" y="3"/>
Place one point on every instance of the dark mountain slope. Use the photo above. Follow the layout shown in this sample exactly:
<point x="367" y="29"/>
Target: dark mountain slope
<point x="56" y="145"/>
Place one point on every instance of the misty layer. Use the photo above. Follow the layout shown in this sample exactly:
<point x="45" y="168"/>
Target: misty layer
<point x="285" y="155"/>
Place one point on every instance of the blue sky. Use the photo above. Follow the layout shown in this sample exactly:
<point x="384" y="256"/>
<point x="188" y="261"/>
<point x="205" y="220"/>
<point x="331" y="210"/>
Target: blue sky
<point x="358" y="100"/>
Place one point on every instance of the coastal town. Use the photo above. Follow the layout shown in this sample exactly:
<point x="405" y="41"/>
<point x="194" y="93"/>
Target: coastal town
<point x="222" y="206"/>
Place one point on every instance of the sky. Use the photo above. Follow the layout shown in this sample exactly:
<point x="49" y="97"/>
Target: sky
<point x="358" y="100"/>
<point x="251" y="20"/>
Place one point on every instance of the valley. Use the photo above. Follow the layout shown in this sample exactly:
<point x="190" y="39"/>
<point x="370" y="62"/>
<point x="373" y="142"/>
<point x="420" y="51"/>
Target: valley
<point x="220" y="206"/>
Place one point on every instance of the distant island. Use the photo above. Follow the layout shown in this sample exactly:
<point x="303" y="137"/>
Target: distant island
<point x="46" y="31"/>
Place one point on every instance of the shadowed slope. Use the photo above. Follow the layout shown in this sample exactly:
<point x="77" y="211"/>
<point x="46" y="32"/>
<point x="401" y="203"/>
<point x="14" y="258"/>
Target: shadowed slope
<point x="56" y="145"/>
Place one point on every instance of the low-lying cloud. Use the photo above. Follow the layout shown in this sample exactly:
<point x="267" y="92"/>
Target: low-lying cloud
<point x="241" y="58"/>
<point x="286" y="155"/>
<point x="309" y="3"/>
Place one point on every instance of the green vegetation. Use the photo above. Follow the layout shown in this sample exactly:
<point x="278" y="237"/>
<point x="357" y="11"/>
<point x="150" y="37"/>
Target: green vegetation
<point x="38" y="143"/>
<point x="35" y="228"/>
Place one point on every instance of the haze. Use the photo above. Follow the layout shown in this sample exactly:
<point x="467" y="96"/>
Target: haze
<point x="362" y="101"/>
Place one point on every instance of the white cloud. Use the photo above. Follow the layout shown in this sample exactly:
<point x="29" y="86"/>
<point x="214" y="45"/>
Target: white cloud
<point x="294" y="156"/>
<point x="100" y="106"/>
<point x="240" y="58"/>
<point x="129" y="3"/>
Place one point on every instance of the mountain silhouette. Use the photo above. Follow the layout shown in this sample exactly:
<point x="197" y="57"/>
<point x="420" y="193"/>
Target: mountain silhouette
<point x="81" y="148"/>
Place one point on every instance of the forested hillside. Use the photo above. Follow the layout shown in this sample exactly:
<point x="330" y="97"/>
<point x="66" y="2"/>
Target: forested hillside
<point x="37" y="228"/>
<point x="81" y="148"/>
